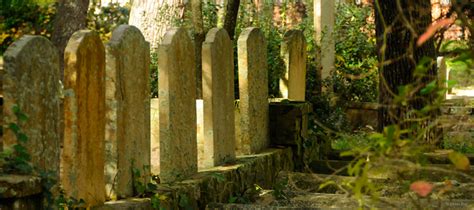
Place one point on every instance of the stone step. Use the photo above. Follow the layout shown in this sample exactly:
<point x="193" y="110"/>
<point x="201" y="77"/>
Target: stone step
<point x="457" y="110"/>
<point x="343" y="201"/>
<point x="459" y="137"/>
<point x="456" y="118"/>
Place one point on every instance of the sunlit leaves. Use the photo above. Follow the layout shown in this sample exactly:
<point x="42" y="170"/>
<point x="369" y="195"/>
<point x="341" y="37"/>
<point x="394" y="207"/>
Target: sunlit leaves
<point x="429" y="88"/>
<point x="459" y="160"/>
<point x="423" y="65"/>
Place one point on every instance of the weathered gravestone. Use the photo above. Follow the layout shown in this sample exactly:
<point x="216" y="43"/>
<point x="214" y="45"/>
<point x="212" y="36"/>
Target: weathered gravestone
<point x="253" y="131"/>
<point x="31" y="83"/>
<point x="177" y="93"/>
<point x="200" y="133"/>
<point x="82" y="161"/>
<point x="155" y="135"/>
<point x="1" y="102"/>
<point x="443" y="74"/>
<point x="293" y="50"/>
<point x="218" y="95"/>
<point x="127" y="142"/>
<point x="324" y="21"/>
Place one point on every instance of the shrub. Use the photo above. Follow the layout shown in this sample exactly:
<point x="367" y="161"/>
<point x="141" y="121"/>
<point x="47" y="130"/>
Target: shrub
<point x="105" y="19"/>
<point x="21" y="17"/>
<point x="356" y="77"/>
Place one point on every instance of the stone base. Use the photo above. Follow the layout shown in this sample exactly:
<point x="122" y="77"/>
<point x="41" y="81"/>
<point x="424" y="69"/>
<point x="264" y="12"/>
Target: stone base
<point x="126" y="204"/>
<point x="20" y="192"/>
<point x="216" y="184"/>
<point x="362" y="115"/>
<point x="289" y="127"/>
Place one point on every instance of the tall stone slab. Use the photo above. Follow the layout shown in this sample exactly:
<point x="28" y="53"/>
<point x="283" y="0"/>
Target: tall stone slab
<point x="443" y="74"/>
<point x="253" y="90"/>
<point x="218" y="96"/>
<point x="127" y="142"/>
<point x="155" y="135"/>
<point x="324" y="21"/>
<point x="31" y="82"/>
<point x="177" y="92"/>
<point x="293" y="51"/>
<point x="200" y="133"/>
<point x="82" y="160"/>
<point x="1" y="102"/>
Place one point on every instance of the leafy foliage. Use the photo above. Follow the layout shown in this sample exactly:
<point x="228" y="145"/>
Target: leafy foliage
<point x="16" y="159"/>
<point x="247" y="196"/>
<point x="106" y="18"/>
<point x="19" y="17"/>
<point x="356" y="73"/>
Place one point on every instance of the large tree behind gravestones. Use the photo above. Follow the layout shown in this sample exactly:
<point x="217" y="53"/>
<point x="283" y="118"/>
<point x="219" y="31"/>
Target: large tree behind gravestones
<point x="230" y="18"/>
<point x="71" y="16"/>
<point x="155" y="17"/>
<point x="399" y="23"/>
<point x="199" y="37"/>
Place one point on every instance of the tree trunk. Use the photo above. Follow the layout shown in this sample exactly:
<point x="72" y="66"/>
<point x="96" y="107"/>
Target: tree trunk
<point x="398" y="25"/>
<point x="199" y="36"/>
<point x="71" y="16"/>
<point x="155" y="17"/>
<point x="230" y="19"/>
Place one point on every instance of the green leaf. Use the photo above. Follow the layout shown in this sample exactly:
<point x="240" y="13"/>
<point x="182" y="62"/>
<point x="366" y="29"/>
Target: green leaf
<point x="428" y="88"/>
<point x="183" y="201"/>
<point x="327" y="183"/>
<point x="426" y="109"/>
<point x="136" y="173"/>
<point x="218" y="176"/>
<point x="14" y="127"/>
<point x="19" y="148"/>
<point x="422" y="66"/>
<point x="459" y="160"/>
<point x="16" y="109"/>
<point x="155" y="201"/>
<point x="151" y="187"/>
<point x="22" y="117"/>
<point x="140" y="188"/>
<point x="232" y="199"/>
<point x="346" y="153"/>
<point x="22" y="138"/>
<point x="451" y="83"/>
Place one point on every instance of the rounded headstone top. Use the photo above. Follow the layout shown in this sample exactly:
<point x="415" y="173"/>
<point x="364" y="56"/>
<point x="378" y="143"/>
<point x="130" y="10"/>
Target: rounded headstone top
<point x="25" y="44"/>
<point x="215" y="33"/>
<point x="175" y="34"/>
<point x="250" y="33"/>
<point x="123" y="31"/>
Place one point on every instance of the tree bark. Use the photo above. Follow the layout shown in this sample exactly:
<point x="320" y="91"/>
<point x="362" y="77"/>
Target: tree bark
<point x="71" y="16"/>
<point x="155" y="17"/>
<point x="199" y="36"/>
<point x="230" y="19"/>
<point x="398" y="25"/>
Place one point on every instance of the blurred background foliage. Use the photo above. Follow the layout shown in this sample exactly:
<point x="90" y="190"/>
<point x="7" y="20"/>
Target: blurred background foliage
<point x="354" y="80"/>
<point x="35" y="17"/>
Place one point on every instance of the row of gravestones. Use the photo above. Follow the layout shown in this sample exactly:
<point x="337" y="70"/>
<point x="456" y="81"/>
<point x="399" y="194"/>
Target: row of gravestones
<point x="105" y="95"/>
